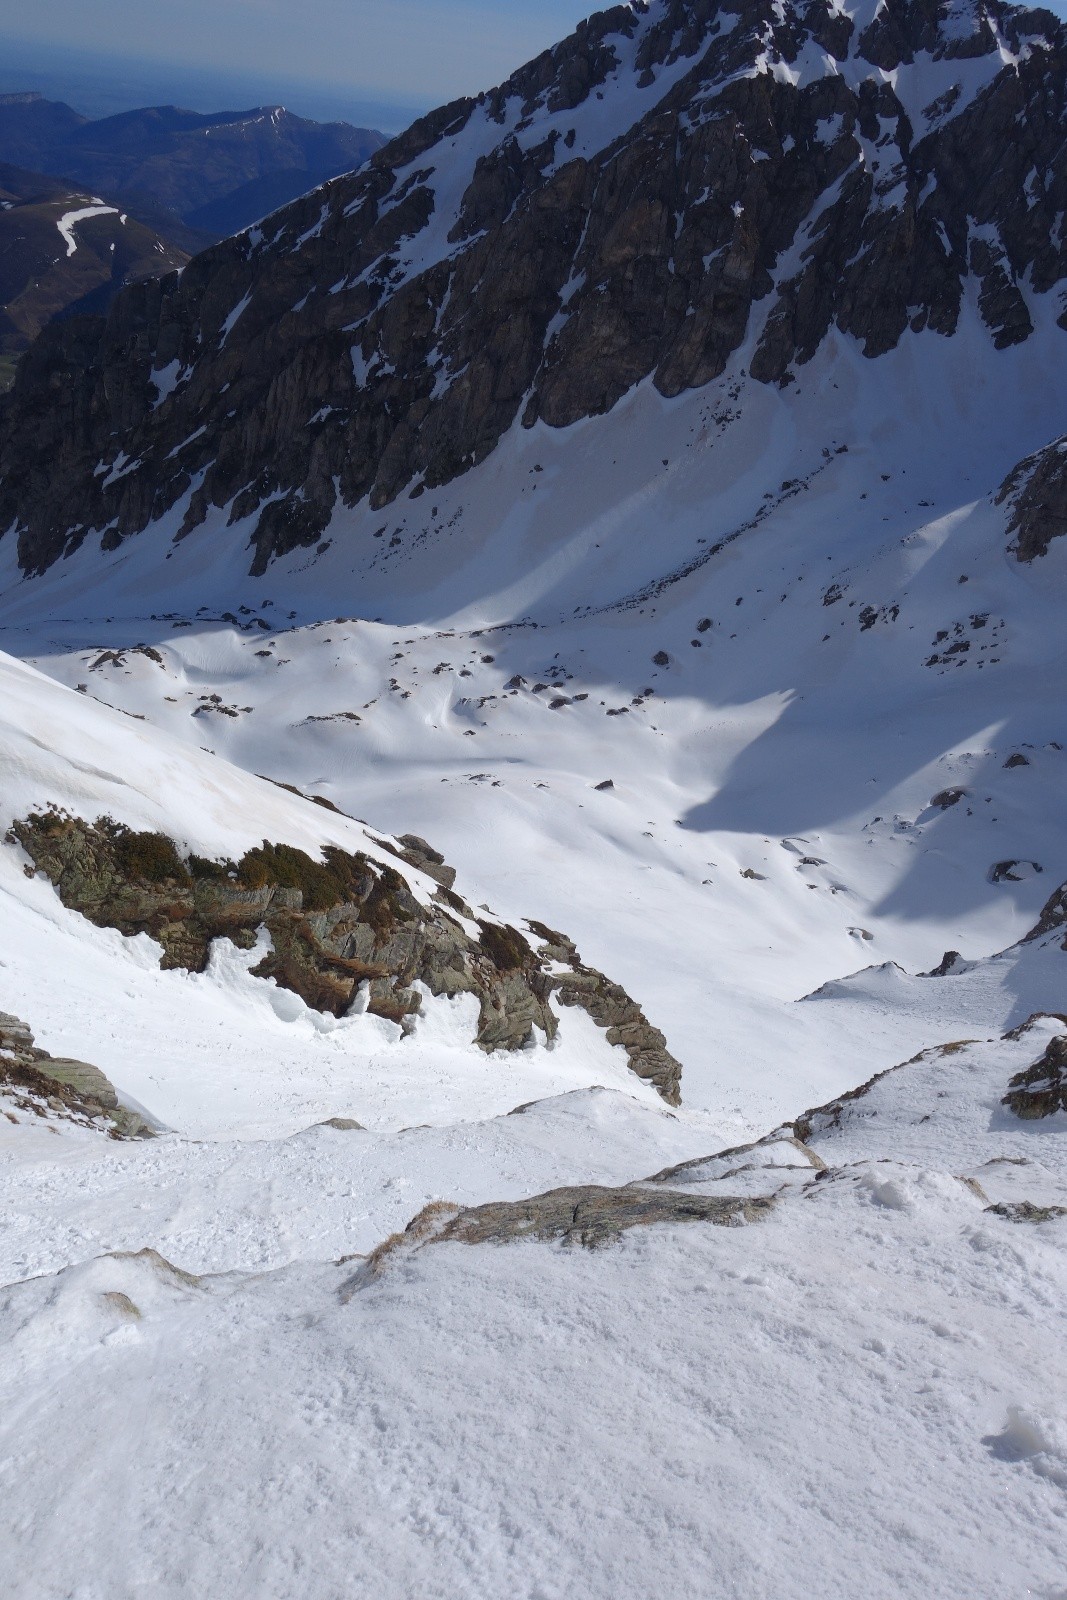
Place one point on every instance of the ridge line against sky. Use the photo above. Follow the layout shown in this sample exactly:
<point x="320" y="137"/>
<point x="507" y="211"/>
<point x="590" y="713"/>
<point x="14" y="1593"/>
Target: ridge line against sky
<point x="403" y="55"/>
<point x="378" y="63"/>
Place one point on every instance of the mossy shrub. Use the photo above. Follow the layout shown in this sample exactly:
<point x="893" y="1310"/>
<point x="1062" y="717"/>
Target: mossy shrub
<point x="505" y="946"/>
<point x="146" y="857"/>
<point x="389" y="902"/>
<point x="52" y="821"/>
<point x="352" y="871"/>
<point x="284" y="866"/>
<point x="202" y="870"/>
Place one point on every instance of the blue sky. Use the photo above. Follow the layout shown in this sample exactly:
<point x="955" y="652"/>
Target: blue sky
<point x="413" y="51"/>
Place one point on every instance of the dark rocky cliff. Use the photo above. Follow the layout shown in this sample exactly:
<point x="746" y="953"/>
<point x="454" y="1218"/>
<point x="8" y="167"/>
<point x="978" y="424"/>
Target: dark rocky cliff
<point x="1036" y="495"/>
<point x="663" y="187"/>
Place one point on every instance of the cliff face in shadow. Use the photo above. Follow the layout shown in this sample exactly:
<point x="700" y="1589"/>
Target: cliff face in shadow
<point x="633" y="204"/>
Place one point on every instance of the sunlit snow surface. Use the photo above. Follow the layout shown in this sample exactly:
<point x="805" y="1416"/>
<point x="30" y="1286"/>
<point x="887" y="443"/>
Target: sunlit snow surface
<point x="69" y="220"/>
<point x="862" y="1394"/>
<point x="789" y="740"/>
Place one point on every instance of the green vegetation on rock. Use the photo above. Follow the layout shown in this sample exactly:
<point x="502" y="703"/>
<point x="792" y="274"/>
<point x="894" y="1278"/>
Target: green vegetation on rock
<point x="341" y="928"/>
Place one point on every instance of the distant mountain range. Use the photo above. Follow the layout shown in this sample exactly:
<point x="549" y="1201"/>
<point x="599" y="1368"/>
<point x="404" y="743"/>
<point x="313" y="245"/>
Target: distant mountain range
<point x="151" y="187"/>
<point x="214" y="173"/>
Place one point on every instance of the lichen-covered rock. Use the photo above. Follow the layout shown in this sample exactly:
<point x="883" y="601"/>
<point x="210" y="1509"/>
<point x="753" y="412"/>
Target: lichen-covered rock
<point x="587" y="1214"/>
<point x="344" y="931"/>
<point x="335" y="925"/>
<point x="611" y="1008"/>
<point x="417" y="853"/>
<point x="1026" y="1211"/>
<point x="39" y="1083"/>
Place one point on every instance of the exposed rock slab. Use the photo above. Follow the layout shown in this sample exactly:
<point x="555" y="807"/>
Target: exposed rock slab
<point x="591" y="1216"/>
<point x="39" y="1083"/>
<point x="1036" y="494"/>
<point x="1041" y="1090"/>
<point x="1053" y="917"/>
<point x="611" y="1008"/>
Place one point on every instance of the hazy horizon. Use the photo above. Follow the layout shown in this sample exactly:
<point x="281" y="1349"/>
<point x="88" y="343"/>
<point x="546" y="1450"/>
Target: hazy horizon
<point x="338" y="60"/>
<point x="347" y="59"/>
<point x="101" y="85"/>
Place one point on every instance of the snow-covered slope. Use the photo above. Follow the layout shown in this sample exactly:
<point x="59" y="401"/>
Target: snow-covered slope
<point x="865" y="643"/>
<point x="861" y="1392"/>
<point x="223" y="1052"/>
<point x="749" y="680"/>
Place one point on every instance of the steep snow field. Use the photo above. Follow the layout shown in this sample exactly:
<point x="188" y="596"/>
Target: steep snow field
<point x="222" y="1053"/>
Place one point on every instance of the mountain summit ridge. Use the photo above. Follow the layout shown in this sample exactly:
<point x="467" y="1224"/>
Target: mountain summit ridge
<point x="669" y="184"/>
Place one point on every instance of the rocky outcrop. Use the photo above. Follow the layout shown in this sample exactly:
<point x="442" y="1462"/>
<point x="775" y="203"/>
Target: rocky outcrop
<point x="1041" y="1090"/>
<point x="872" y="1143"/>
<point x="588" y="1215"/>
<point x="612" y="1009"/>
<point x="947" y="797"/>
<point x="345" y="931"/>
<point x="761" y="175"/>
<point x="1053" y="917"/>
<point x="39" y="1084"/>
<point x="1013" y="870"/>
<point x="417" y="853"/>
<point x="1036" y="494"/>
<point x="1026" y="1211"/>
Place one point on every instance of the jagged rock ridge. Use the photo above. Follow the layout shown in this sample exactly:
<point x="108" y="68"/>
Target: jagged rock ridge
<point x="636" y="203"/>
